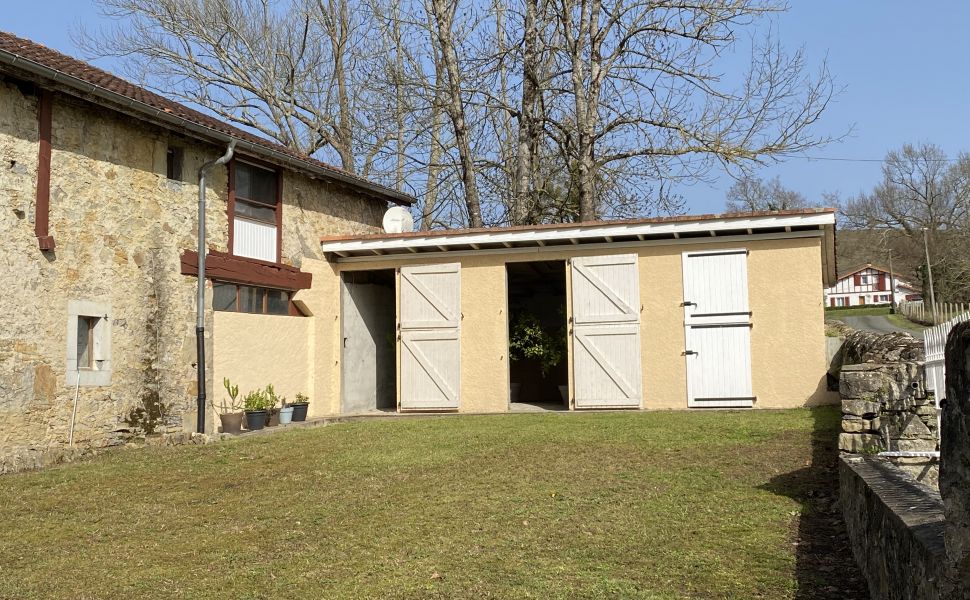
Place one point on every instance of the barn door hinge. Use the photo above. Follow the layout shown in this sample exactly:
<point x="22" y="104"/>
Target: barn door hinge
<point x="688" y="303"/>
<point x="688" y="353"/>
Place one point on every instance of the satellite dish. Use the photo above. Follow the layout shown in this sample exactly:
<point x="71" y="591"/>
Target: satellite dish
<point x="398" y="219"/>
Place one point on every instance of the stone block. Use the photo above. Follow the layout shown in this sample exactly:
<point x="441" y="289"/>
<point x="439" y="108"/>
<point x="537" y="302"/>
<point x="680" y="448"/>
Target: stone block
<point x="859" y="408"/>
<point x="862" y="383"/>
<point x="914" y="429"/>
<point x="914" y="445"/>
<point x="852" y="424"/>
<point x="860" y="443"/>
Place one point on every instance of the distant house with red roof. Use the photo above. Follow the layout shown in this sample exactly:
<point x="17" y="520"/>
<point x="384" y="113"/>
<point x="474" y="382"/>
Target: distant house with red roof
<point x="868" y="284"/>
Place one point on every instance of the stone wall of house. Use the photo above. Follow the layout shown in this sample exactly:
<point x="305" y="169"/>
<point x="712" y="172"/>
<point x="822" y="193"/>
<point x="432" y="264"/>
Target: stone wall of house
<point x="119" y="226"/>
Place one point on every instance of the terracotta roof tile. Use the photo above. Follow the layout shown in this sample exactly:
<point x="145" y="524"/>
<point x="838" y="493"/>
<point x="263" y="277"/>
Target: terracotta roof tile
<point x="86" y="73"/>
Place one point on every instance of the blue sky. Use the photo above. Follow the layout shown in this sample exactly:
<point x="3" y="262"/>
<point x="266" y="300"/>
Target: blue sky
<point x="904" y="66"/>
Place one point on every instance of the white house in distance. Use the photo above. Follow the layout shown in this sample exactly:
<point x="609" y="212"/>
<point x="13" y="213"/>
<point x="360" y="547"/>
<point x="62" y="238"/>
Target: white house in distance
<point x="867" y="284"/>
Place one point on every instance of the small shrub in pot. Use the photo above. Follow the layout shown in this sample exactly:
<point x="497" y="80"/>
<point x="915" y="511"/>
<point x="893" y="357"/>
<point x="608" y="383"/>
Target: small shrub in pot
<point x="256" y="406"/>
<point x="300" y="407"/>
<point x="273" y="413"/>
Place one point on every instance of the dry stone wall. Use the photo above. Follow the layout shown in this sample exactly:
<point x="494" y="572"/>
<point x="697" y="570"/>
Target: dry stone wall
<point x="955" y="452"/>
<point x="119" y="226"/>
<point x="885" y="405"/>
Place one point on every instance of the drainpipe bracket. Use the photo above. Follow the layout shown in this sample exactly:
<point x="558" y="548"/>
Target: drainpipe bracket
<point x="45" y="242"/>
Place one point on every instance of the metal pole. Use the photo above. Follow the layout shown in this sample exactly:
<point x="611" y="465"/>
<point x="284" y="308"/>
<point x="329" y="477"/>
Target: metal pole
<point x="892" y="284"/>
<point x="200" y="291"/>
<point x="929" y="274"/>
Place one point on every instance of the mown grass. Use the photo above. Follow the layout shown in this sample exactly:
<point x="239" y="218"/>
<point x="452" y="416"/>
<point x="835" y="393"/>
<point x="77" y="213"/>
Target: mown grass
<point x="862" y="311"/>
<point x="901" y="321"/>
<point x="655" y="505"/>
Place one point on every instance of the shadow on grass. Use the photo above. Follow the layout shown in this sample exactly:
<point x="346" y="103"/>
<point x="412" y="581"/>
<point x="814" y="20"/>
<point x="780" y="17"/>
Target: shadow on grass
<point x="825" y="567"/>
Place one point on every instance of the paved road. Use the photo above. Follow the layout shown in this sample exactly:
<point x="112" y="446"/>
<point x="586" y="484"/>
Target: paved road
<point x="877" y="323"/>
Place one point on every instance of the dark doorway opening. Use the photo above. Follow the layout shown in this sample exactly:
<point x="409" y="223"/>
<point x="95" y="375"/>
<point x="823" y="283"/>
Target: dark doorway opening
<point x="538" y="366"/>
<point x="369" y="346"/>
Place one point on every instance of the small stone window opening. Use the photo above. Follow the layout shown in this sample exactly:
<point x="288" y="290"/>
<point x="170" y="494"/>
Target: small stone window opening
<point x="173" y="163"/>
<point x="88" y="343"/>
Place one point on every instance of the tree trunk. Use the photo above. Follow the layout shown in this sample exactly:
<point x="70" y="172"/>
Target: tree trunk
<point x="434" y="143"/>
<point x="522" y="183"/>
<point x="585" y="109"/>
<point x="339" y="35"/>
<point x="444" y="13"/>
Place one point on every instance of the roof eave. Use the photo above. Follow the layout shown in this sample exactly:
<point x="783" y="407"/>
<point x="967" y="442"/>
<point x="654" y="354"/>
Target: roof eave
<point x="167" y="119"/>
<point x="823" y="223"/>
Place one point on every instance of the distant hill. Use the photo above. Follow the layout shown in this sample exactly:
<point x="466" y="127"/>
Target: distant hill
<point x="854" y="247"/>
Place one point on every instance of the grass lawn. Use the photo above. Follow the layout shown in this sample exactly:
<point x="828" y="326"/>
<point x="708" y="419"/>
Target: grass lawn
<point x="837" y="313"/>
<point x="901" y="321"/>
<point x="650" y="505"/>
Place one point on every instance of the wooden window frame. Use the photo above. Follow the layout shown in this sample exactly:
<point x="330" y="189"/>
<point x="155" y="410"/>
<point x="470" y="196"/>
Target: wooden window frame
<point x="231" y="204"/>
<point x="291" y="311"/>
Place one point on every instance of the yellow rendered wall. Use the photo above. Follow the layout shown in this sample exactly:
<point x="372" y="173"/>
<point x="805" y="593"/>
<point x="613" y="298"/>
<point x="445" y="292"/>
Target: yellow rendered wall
<point x="787" y="336"/>
<point x="254" y="350"/>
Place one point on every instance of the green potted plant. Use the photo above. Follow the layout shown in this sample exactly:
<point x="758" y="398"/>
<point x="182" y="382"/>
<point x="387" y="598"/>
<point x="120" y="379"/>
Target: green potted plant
<point x="273" y="413"/>
<point x="255" y="405"/>
<point x="529" y="339"/>
<point x="300" y="407"/>
<point x="230" y="412"/>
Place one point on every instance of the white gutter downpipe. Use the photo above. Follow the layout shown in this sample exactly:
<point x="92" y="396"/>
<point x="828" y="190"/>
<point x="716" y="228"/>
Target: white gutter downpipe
<point x="200" y="300"/>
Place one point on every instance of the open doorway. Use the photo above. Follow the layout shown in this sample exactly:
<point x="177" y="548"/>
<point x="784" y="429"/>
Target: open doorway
<point x="368" y="354"/>
<point x="538" y="369"/>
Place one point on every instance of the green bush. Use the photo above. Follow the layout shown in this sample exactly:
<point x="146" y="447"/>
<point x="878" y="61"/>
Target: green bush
<point x="529" y="339"/>
<point x="257" y="400"/>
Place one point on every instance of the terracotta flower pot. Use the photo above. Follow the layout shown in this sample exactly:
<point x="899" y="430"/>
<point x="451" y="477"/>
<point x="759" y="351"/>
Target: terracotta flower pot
<point x="255" y="419"/>
<point x="231" y="422"/>
<point x="273" y="417"/>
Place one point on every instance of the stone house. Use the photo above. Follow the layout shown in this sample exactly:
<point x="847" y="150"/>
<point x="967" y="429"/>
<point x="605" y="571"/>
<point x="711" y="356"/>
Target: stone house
<point x="98" y="216"/>
<point x="303" y="290"/>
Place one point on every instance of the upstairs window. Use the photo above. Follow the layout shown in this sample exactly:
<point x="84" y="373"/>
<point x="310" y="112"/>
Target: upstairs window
<point x="173" y="163"/>
<point x="255" y="211"/>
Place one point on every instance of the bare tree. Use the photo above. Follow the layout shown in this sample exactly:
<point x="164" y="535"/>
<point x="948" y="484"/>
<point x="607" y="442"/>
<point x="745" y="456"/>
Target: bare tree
<point x="753" y="193"/>
<point x="644" y="89"/>
<point x="489" y="112"/>
<point x="443" y="12"/>
<point x="923" y="192"/>
<point x="277" y="68"/>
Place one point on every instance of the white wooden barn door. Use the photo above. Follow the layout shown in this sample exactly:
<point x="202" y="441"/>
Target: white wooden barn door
<point x="717" y="323"/>
<point x="430" y="336"/>
<point x="606" y="331"/>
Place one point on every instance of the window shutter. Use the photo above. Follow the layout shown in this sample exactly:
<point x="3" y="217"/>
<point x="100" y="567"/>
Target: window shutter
<point x="857" y="279"/>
